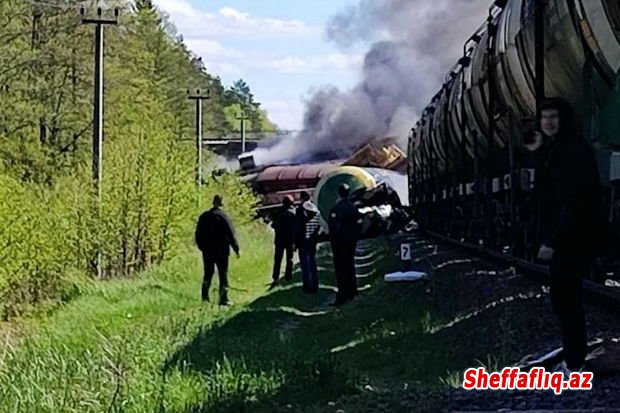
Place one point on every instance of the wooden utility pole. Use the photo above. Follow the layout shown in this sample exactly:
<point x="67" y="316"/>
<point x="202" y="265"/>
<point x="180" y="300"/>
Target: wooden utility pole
<point x="99" y="23"/>
<point x="198" y="98"/>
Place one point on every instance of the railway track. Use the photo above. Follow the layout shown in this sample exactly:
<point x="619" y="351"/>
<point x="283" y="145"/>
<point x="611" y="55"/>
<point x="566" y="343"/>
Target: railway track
<point x="374" y="257"/>
<point x="478" y="307"/>
<point x="607" y="297"/>
<point x="489" y="305"/>
<point x="496" y="306"/>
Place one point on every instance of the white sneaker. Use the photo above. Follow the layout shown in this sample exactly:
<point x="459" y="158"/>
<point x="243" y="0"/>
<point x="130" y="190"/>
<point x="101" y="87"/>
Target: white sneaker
<point x="563" y="368"/>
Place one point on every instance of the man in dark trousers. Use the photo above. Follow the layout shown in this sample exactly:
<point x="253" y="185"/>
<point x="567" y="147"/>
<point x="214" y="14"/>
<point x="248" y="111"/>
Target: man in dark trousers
<point x="571" y="220"/>
<point x="301" y="218"/>
<point x="344" y="229"/>
<point x="284" y="227"/>
<point x="308" y="227"/>
<point x="215" y="235"/>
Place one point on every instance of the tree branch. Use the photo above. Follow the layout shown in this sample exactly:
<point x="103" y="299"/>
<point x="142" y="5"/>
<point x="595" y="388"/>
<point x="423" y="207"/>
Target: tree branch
<point x="76" y="136"/>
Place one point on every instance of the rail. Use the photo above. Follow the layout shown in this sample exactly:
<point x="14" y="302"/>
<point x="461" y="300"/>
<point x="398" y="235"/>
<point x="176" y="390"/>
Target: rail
<point x="597" y="294"/>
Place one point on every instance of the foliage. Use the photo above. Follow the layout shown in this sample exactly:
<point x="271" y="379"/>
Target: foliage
<point x="257" y="119"/>
<point x="46" y="84"/>
<point x="52" y="221"/>
<point x="105" y="350"/>
<point x="240" y="101"/>
<point x="39" y="240"/>
<point x="51" y="234"/>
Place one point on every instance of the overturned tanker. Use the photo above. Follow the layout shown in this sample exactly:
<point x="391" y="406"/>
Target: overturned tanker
<point x="381" y="196"/>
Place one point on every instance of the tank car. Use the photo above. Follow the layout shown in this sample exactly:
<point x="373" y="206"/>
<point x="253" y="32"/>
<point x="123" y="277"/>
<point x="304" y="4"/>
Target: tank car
<point x="467" y="178"/>
<point x="381" y="196"/>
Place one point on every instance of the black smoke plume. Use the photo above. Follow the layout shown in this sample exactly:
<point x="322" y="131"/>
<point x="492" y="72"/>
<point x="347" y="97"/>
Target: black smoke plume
<point x="413" y="44"/>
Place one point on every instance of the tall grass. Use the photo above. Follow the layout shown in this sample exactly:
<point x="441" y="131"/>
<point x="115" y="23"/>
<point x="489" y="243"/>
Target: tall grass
<point x="107" y="350"/>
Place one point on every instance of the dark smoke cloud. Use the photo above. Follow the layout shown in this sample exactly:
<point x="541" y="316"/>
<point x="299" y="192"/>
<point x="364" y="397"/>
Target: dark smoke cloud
<point x="414" y="43"/>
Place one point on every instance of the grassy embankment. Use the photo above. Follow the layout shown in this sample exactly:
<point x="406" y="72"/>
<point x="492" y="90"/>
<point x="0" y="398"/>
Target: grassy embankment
<point x="149" y="345"/>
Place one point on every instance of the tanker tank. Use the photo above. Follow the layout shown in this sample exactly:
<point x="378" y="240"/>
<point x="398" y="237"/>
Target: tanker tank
<point x="380" y="195"/>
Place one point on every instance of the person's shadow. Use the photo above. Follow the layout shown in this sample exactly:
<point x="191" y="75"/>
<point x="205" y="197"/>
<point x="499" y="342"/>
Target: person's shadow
<point x="289" y="351"/>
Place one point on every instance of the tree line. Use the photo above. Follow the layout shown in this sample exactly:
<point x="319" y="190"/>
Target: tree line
<point x="50" y="220"/>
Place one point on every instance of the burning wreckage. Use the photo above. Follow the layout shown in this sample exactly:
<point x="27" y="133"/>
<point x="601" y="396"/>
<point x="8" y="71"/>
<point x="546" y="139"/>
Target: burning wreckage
<point x="376" y="174"/>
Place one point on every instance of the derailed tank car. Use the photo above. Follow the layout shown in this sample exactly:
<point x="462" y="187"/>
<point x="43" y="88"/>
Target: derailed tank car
<point x="275" y="182"/>
<point x="380" y="195"/>
<point x="467" y="178"/>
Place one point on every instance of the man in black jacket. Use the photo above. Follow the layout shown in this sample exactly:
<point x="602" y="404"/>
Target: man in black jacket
<point x="571" y="220"/>
<point x="284" y="227"/>
<point x="344" y="229"/>
<point x="215" y="235"/>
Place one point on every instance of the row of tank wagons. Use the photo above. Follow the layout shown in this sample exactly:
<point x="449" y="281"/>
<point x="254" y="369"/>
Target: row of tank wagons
<point x="465" y="94"/>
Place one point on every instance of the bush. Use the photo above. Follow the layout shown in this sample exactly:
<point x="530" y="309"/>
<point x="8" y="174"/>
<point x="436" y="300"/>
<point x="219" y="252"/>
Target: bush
<point x="150" y="204"/>
<point x="37" y="244"/>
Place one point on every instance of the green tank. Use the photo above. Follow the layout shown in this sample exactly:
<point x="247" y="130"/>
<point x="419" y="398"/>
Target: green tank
<point x="358" y="179"/>
<point x="326" y="192"/>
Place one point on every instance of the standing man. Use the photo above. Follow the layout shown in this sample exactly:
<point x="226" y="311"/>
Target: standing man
<point x="301" y="218"/>
<point x="214" y="236"/>
<point x="284" y="227"/>
<point x="344" y="229"/>
<point x="309" y="226"/>
<point x="571" y="219"/>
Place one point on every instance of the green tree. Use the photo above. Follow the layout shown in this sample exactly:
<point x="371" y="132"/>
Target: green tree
<point x="52" y="221"/>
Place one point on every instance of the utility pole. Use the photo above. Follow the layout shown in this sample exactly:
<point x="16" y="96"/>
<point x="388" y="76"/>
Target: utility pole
<point x="99" y="23"/>
<point x="198" y="98"/>
<point x="243" y="117"/>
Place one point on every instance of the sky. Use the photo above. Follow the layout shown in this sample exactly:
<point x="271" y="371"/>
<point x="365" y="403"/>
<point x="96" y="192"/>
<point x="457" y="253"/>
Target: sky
<point x="279" y="47"/>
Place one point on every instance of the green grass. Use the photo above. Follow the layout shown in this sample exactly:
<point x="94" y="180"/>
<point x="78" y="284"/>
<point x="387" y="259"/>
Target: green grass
<point x="150" y="345"/>
<point x="105" y="350"/>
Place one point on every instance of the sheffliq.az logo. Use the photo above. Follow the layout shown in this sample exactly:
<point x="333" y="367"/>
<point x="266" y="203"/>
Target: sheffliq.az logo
<point x="512" y="378"/>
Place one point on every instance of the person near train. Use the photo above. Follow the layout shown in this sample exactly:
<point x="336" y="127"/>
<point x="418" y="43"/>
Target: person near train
<point x="307" y="248"/>
<point x="301" y="218"/>
<point x="214" y="237"/>
<point x="284" y="227"/>
<point x="570" y="220"/>
<point x="344" y="230"/>
<point x="306" y="242"/>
